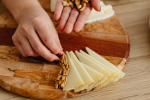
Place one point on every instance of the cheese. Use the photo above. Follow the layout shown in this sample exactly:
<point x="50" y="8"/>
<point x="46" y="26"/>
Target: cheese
<point x="95" y="75"/>
<point x="73" y="79"/>
<point x="109" y="79"/>
<point x="106" y="12"/>
<point x="52" y="5"/>
<point x="94" y="66"/>
<point x="119" y="73"/>
<point x="102" y="3"/>
<point x="82" y="72"/>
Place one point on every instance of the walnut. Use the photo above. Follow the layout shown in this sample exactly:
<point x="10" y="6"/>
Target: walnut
<point x="79" y="4"/>
<point x="61" y="79"/>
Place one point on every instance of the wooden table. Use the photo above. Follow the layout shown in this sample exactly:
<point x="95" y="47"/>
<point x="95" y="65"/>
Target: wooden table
<point x="136" y="84"/>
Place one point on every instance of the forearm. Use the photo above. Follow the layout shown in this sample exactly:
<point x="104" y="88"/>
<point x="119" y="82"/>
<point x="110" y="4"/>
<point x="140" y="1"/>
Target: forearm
<point x="18" y="7"/>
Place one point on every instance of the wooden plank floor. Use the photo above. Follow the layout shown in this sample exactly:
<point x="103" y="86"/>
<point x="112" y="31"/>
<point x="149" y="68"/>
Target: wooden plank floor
<point x="136" y="84"/>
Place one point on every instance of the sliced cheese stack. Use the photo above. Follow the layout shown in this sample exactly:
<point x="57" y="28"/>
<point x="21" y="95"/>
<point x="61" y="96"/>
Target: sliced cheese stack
<point x="90" y="70"/>
<point x="109" y="79"/>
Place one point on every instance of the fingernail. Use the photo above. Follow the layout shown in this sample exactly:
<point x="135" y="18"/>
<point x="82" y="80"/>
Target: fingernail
<point x="56" y="61"/>
<point x="59" y="55"/>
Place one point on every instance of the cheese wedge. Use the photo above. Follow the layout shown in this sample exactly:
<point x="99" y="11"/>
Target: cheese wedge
<point x="119" y="73"/>
<point x="82" y="72"/>
<point x="106" y="12"/>
<point x="108" y="80"/>
<point x="52" y="5"/>
<point x="94" y="66"/>
<point x="95" y="75"/>
<point x="73" y="79"/>
<point x="102" y="3"/>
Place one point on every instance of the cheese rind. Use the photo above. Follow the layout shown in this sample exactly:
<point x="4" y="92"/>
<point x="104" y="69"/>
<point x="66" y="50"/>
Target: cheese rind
<point x="119" y="73"/>
<point x="73" y="79"/>
<point x="94" y="66"/>
<point x="95" y="75"/>
<point x="52" y="5"/>
<point x="109" y="79"/>
<point x="82" y="72"/>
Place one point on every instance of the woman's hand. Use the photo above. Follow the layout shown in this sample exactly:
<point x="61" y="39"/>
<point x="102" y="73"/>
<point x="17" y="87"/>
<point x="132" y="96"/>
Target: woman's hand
<point x="36" y="35"/>
<point x="72" y="19"/>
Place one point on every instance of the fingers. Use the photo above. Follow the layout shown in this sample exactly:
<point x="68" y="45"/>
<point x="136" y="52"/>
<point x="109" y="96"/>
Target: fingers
<point x="58" y="10"/>
<point x="72" y="19"/>
<point x="27" y="47"/>
<point x="64" y="17"/>
<point x="19" y="46"/>
<point x="46" y="35"/>
<point x="23" y="45"/>
<point x="96" y="5"/>
<point x="83" y="16"/>
<point x="38" y="47"/>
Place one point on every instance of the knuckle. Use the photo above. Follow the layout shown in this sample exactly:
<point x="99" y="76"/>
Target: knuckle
<point x="74" y="13"/>
<point x="47" y="41"/>
<point x="13" y="38"/>
<point x="66" y="10"/>
<point x="84" y="13"/>
<point x="37" y="20"/>
<point x="25" y="27"/>
<point x="71" y="21"/>
<point x="36" y="48"/>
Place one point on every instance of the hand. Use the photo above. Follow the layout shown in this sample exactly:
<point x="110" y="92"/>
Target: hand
<point x="36" y="35"/>
<point x="72" y="19"/>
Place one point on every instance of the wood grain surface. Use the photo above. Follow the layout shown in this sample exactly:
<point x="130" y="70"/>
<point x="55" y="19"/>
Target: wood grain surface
<point x="134" y="14"/>
<point x="107" y="37"/>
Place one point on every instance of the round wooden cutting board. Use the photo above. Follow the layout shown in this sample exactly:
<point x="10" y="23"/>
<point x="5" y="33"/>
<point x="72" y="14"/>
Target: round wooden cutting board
<point x="34" y="77"/>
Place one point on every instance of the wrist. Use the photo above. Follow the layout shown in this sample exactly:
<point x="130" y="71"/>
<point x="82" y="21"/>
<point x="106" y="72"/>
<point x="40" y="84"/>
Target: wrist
<point x="20" y="8"/>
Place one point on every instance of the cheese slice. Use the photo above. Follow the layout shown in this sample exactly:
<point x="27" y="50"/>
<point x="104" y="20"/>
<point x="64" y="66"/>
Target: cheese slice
<point x="82" y="72"/>
<point x="94" y="66"/>
<point x="119" y="73"/>
<point x="73" y="79"/>
<point x="106" y="12"/>
<point x="109" y="79"/>
<point x="95" y="75"/>
<point x="52" y="5"/>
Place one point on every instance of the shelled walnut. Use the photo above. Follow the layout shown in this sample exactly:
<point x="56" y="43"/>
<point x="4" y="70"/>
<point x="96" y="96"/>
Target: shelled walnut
<point x="79" y="4"/>
<point x="61" y="79"/>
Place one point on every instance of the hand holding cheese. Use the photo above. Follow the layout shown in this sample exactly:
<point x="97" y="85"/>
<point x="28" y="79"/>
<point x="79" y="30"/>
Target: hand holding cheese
<point x="72" y="19"/>
<point x="35" y="34"/>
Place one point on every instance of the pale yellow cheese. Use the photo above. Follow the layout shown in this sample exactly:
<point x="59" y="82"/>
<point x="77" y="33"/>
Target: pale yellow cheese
<point x="109" y="79"/>
<point x="94" y="66"/>
<point x="96" y="76"/>
<point x="82" y="72"/>
<point x="73" y="79"/>
<point x="119" y="73"/>
<point x="52" y="5"/>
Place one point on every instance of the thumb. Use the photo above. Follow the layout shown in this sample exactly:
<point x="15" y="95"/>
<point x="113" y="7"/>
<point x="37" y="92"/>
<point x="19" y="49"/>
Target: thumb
<point x="96" y="4"/>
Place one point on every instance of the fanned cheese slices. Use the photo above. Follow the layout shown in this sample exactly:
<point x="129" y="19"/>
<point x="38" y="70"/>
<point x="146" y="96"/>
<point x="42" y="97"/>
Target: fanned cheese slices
<point x="88" y="71"/>
<point x="73" y="79"/>
<point x="88" y="81"/>
<point x="119" y="73"/>
<point x="109" y="79"/>
<point x="94" y="66"/>
<point x="96" y="76"/>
